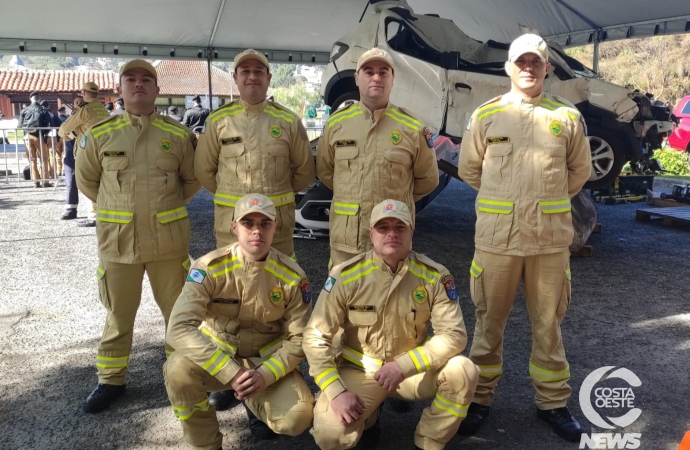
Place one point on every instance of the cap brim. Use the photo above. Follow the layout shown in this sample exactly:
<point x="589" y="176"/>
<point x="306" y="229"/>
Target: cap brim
<point x="249" y="56"/>
<point x="375" y="58"/>
<point x="406" y="222"/>
<point x="529" y="50"/>
<point x="240" y="217"/>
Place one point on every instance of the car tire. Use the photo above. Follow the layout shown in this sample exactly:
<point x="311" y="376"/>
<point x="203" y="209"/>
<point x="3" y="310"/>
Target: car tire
<point x="608" y="157"/>
<point x="342" y="98"/>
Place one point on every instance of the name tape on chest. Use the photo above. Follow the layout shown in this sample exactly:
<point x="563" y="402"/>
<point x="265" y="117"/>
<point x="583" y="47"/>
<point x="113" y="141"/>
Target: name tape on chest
<point x="362" y="308"/>
<point x="226" y="301"/>
<point x="232" y="140"/>
<point x="346" y="143"/>
<point x="111" y="154"/>
<point x="497" y="140"/>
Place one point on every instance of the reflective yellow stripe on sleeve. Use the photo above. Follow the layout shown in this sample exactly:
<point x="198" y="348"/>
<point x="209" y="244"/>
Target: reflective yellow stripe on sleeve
<point x="276" y="367"/>
<point x="114" y="216"/>
<point x="554" y="206"/>
<point x="475" y="270"/>
<point x="112" y="362"/>
<point x="419" y="359"/>
<point x="325" y="378"/>
<point x="172" y="215"/>
<point x="216" y="362"/>
<point x="100" y="273"/>
<point x="568" y="275"/>
<point x="345" y="209"/>
<point x="491" y="370"/>
<point x="186" y="264"/>
<point x="225" y="199"/>
<point x="231" y="349"/>
<point x="283" y="199"/>
<point x="369" y="364"/>
<point x="271" y="347"/>
<point x="495" y="206"/>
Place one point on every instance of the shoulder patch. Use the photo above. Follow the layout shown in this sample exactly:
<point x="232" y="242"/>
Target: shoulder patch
<point x="449" y="285"/>
<point x="306" y="291"/>
<point x="328" y="286"/>
<point x="196" y="276"/>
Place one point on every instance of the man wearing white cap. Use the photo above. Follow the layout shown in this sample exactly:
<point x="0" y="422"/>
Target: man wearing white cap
<point x="252" y="303"/>
<point x="370" y="151"/>
<point x="386" y="299"/>
<point x="139" y="169"/>
<point x="527" y="154"/>
<point x="254" y="145"/>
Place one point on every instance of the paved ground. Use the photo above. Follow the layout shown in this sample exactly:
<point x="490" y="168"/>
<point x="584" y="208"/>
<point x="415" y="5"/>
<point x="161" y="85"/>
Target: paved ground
<point x="630" y="308"/>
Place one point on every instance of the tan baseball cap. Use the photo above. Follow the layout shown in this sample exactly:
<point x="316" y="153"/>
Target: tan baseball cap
<point x="390" y="208"/>
<point x="90" y="86"/>
<point x="375" y="54"/>
<point x="254" y="203"/>
<point x="139" y="64"/>
<point x="528" y="43"/>
<point x="250" y="53"/>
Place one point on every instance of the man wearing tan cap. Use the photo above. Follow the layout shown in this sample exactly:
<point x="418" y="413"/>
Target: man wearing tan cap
<point x="370" y="151"/>
<point x="139" y="168"/>
<point x="90" y="112"/>
<point x="386" y="299"/>
<point x="254" y="145"/>
<point x="252" y="303"/>
<point x="527" y="154"/>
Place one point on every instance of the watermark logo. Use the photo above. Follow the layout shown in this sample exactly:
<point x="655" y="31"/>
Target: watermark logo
<point x="610" y="398"/>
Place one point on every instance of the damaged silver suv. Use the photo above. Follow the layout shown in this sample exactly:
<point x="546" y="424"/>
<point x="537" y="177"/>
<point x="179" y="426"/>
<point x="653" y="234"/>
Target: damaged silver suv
<point x="443" y="75"/>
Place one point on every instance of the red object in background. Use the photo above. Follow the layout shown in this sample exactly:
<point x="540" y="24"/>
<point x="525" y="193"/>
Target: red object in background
<point x="680" y="137"/>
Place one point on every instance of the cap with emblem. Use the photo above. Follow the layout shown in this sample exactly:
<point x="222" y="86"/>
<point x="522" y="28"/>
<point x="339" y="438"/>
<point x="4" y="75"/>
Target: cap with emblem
<point x="197" y="99"/>
<point x="90" y="86"/>
<point x="35" y="94"/>
<point x="251" y="54"/>
<point x="390" y="208"/>
<point x="375" y="54"/>
<point x="528" y="43"/>
<point x="254" y="203"/>
<point x="139" y="64"/>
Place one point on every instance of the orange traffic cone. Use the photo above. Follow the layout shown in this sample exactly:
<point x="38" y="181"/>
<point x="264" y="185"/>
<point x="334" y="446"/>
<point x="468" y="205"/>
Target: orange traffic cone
<point x="685" y="443"/>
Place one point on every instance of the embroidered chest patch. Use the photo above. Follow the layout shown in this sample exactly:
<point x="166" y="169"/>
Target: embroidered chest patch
<point x="165" y="145"/>
<point x="395" y="137"/>
<point x="555" y="127"/>
<point x="419" y="294"/>
<point x="276" y="295"/>
<point x="275" y="131"/>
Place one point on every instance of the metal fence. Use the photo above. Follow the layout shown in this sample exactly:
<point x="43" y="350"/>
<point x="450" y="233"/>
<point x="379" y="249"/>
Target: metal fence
<point x="17" y="151"/>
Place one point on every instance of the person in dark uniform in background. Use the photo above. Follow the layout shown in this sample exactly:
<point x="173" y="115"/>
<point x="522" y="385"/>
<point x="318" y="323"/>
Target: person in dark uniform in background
<point x="109" y="107"/>
<point x="119" y="107"/>
<point x="195" y="116"/>
<point x="173" y="113"/>
<point x="32" y="118"/>
<point x="52" y="140"/>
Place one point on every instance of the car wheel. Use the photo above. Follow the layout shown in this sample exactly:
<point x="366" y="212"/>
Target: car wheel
<point x="342" y="98"/>
<point x="608" y="157"/>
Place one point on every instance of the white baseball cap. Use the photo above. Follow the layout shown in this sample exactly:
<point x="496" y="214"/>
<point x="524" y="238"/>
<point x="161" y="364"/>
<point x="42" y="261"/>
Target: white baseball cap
<point x="528" y="43"/>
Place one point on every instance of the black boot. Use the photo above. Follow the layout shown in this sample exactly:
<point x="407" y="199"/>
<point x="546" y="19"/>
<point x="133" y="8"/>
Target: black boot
<point x="257" y="428"/>
<point x="476" y="416"/>
<point x="69" y="214"/>
<point x="565" y="425"/>
<point x="222" y="400"/>
<point x="101" y="397"/>
<point x="370" y="436"/>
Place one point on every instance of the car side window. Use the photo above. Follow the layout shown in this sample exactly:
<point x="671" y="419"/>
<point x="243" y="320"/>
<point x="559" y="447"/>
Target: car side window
<point x="686" y="108"/>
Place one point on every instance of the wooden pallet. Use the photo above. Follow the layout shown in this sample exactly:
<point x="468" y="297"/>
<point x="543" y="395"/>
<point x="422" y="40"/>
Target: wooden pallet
<point x="673" y="216"/>
<point x="654" y="198"/>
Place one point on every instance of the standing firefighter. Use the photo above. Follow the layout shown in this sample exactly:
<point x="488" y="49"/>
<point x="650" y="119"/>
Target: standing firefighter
<point x="527" y="154"/>
<point x="139" y="168"/>
<point x="370" y="151"/>
<point x="386" y="300"/>
<point x="254" y="303"/>
<point x="253" y="145"/>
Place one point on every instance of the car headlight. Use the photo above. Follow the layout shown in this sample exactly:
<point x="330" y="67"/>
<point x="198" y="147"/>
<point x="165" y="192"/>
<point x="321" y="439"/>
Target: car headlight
<point x="338" y="50"/>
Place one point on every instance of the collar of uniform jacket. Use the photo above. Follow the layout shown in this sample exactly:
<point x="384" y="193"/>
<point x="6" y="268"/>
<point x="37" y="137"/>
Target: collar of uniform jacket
<point x="258" y="107"/>
<point x="517" y="100"/>
<point x="139" y="121"/>
<point x="380" y="263"/>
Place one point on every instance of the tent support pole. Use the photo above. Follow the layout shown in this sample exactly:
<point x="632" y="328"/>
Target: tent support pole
<point x="595" y="59"/>
<point x="210" y="85"/>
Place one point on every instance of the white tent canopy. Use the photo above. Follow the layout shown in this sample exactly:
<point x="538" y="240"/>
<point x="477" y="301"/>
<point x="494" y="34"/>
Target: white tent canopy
<point x="302" y="31"/>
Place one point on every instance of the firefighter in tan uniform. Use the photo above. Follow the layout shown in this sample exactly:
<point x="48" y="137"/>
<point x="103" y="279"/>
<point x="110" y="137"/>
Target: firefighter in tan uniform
<point x="370" y="151"/>
<point x="254" y="145"/>
<point x="74" y="129"/>
<point x="527" y="154"/>
<point x="252" y="303"/>
<point x="386" y="299"/>
<point x="139" y="168"/>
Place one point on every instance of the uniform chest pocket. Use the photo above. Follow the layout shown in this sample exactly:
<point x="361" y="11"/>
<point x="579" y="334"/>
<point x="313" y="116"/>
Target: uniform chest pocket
<point x="277" y="162"/>
<point x="554" y="168"/>
<point x="397" y="165"/>
<point x="231" y="164"/>
<point x="224" y="313"/>
<point x="418" y="319"/>
<point x="170" y="166"/>
<point x="347" y="166"/>
<point x="362" y="318"/>
<point x="498" y="162"/>
<point x="115" y="174"/>
<point x="270" y="320"/>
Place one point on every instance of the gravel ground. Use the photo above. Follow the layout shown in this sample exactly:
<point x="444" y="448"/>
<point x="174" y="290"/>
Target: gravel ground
<point x="629" y="309"/>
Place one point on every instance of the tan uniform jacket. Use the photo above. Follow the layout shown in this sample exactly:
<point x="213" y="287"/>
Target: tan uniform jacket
<point x="140" y="171"/>
<point x="385" y="317"/>
<point x="250" y="309"/>
<point x="247" y="149"/>
<point x="527" y="158"/>
<point x="88" y="115"/>
<point x="366" y="158"/>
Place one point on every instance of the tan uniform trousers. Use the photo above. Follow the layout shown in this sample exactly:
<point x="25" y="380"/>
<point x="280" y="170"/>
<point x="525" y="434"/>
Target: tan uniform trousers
<point x="57" y="148"/>
<point x="546" y="281"/>
<point x="37" y="151"/>
<point x="286" y="406"/>
<point x="287" y="248"/>
<point x="451" y="387"/>
<point x="120" y="291"/>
